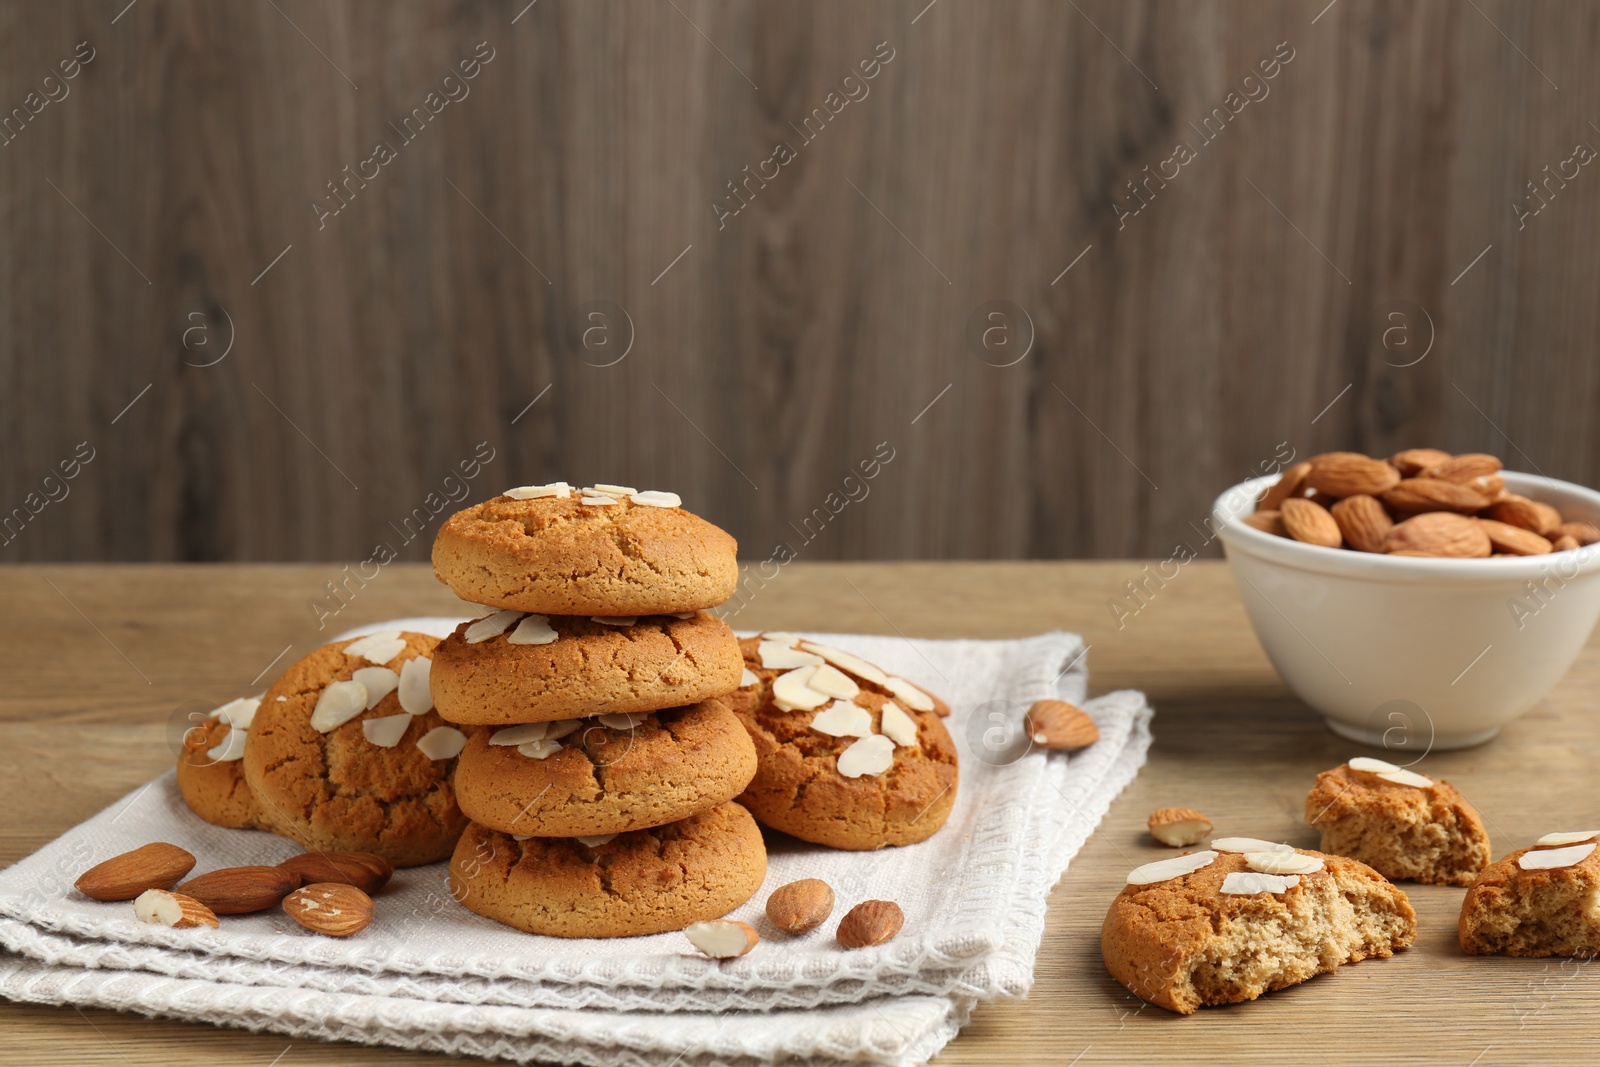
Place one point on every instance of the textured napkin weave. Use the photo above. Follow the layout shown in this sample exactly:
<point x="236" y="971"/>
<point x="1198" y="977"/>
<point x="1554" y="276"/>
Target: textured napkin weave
<point x="429" y="974"/>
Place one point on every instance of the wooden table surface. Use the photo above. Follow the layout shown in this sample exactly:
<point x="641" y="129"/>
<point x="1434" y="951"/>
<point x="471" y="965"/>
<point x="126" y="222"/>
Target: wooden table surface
<point x="97" y="659"/>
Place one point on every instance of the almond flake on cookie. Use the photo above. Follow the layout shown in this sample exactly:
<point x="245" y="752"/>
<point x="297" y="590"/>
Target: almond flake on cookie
<point x="1401" y="776"/>
<point x="748" y="678"/>
<point x="843" y="720"/>
<point x="791" y="692"/>
<point x="597" y="501"/>
<point x="595" y="842"/>
<point x="560" y="490"/>
<point x="1248" y="845"/>
<point x="683" y="616"/>
<point x="624" y="721"/>
<point x="1548" y="859"/>
<point x="1176" y="867"/>
<point x="282" y="699"/>
<point x="379" y="682"/>
<point x="231" y="747"/>
<point x="479" y="611"/>
<point x="1371" y="766"/>
<point x="442" y="742"/>
<point x="777" y="656"/>
<point x="561" y="728"/>
<point x="655" y="498"/>
<point x="781" y="636"/>
<point x="614" y="620"/>
<point x="540" y="749"/>
<point x="1248" y="883"/>
<point x="1283" y="862"/>
<point x="834" y="682"/>
<point x="1572" y="837"/>
<point x="385" y="732"/>
<point x="909" y="695"/>
<point x="338" y="704"/>
<point x="239" y="713"/>
<point x="897" y="725"/>
<point x="871" y="755"/>
<point x="533" y="630"/>
<point x="846" y="662"/>
<point x="415" y="696"/>
<point x="378" y="648"/>
<point x="610" y="490"/>
<point x="520" y="735"/>
<point x="491" y="626"/>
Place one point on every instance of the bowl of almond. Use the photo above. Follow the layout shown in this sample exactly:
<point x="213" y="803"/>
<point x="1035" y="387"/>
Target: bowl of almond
<point x="1419" y="601"/>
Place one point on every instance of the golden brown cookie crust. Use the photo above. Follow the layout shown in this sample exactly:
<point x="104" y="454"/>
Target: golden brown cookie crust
<point x="674" y="764"/>
<point x="559" y="556"/>
<point x="591" y="668"/>
<point x="1513" y="912"/>
<point x="644" y="882"/>
<point x="1403" y="832"/>
<point x="215" y="790"/>
<point x="337" y="792"/>
<point x="799" y="790"/>
<point x="1182" y="943"/>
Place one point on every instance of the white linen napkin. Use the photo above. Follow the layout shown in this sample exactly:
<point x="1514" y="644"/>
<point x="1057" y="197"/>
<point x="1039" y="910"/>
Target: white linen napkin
<point x="428" y="974"/>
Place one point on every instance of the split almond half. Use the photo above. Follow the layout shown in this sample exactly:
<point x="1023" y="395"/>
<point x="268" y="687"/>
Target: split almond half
<point x="166" y="908"/>
<point x="722" y="939"/>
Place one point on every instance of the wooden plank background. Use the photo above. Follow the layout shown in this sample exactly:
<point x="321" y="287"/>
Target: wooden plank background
<point x="1342" y="266"/>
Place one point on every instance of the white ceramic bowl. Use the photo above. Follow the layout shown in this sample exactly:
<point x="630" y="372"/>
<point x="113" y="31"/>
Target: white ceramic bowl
<point x="1411" y="653"/>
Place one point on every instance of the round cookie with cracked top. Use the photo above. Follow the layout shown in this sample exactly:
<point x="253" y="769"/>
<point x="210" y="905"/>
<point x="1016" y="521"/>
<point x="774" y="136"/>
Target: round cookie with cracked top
<point x="210" y="768"/>
<point x="645" y="882"/>
<point x="606" y="775"/>
<point x="572" y="551"/>
<point x="850" y="767"/>
<point x="515" y="668"/>
<point x="347" y="754"/>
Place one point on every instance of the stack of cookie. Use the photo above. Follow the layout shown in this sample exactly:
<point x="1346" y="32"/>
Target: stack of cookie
<point x="600" y="776"/>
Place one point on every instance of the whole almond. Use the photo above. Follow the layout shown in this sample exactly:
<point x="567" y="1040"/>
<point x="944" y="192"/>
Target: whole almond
<point x="722" y="939"/>
<point x="871" y="922"/>
<point x="1363" y="522"/>
<point x="1310" y="522"/>
<point x="172" y="909"/>
<point x="1513" y="540"/>
<point x="239" y="890"/>
<point x="1417" y="495"/>
<point x="1342" y="474"/>
<point x="1465" y="467"/>
<point x="1267" y="521"/>
<point x="1289" y="483"/>
<point x="1534" y="515"/>
<point x="332" y="908"/>
<point x="1413" y="461"/>
<point x="1585" y="533"/>
<point x="1058" y="725"/>
<point x="1439" y="533"/>
<point x="367" y="871"/>
<point x="1179" y="827"/>
<point x="800" y="906"/>
<point x="157" y="865"/>
<point x="1565" y="543"/>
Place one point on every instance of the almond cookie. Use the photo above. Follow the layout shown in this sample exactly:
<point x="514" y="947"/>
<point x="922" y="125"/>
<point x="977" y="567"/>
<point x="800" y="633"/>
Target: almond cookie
<point x="509" y="667"/>
<point x="606" y="775"/>
<point x="1537" y="901"/>
<point x="346" y="753"/>
<point x="1405" y="825"/>
<point x="644" y="882"/>
<point x="211" y="771"/>
<point x="1224" y="927"/>
<point x="602" y="550"/>
<point x="845" y="760"/>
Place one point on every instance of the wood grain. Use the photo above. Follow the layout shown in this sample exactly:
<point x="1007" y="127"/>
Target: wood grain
<point x="80" y="727"/>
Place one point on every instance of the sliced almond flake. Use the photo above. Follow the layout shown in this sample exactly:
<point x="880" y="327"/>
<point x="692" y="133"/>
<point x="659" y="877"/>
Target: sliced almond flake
<point x="378" y="648"/>
<point x="791" y="693"/>
<point x="477" y="610"/>
<point x="337" y="704"/>
<point x="541" y="749"/>
<point x="533" y="630"/>
<point x="1371" y="766"/>
<point x="597" y="501"/>
<point x="1546" y="859"/>
<point x="379" y="682"/>
<point x="231" y="746"/>
<point x="560" y="490"/>
<point x="610" y="490"/>
<point x="561" y="728"/>
<point x="1248" y="845"/>
<point x="386" y="731"/>
<point x="839" y="719"/>
<point x="748" y="678"/>
<point x="1248" y="883"/>
<point x="776" y="656"/>
<point x="870" y="755"/>
<point x="655" y="498"/>
<point x="622" y="722"/>
<point x="1283" y="862"/>
<point x="1176" y="867"/>
<point x="281" y="699"/>
<point x="683" y="615"/>
<point x="846" y="662"/>
<point x="834" y="682"/>
<point x="897" y="725"/>
<point x="595" y="842"/>
<point x="1572" y="837"/>
<point x="239" y="713"/>
<point x="491" y="626"/>
<point x="1402" y="776"/>
<point x="416" y="698"/>
<point x="520" y="735"/>
<point x="442" y="742"/>
<point x="614" y="620"/>
<point x="781" y="636"/>
<point x="909" y="695"/>
<point x="521" y="837"/>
